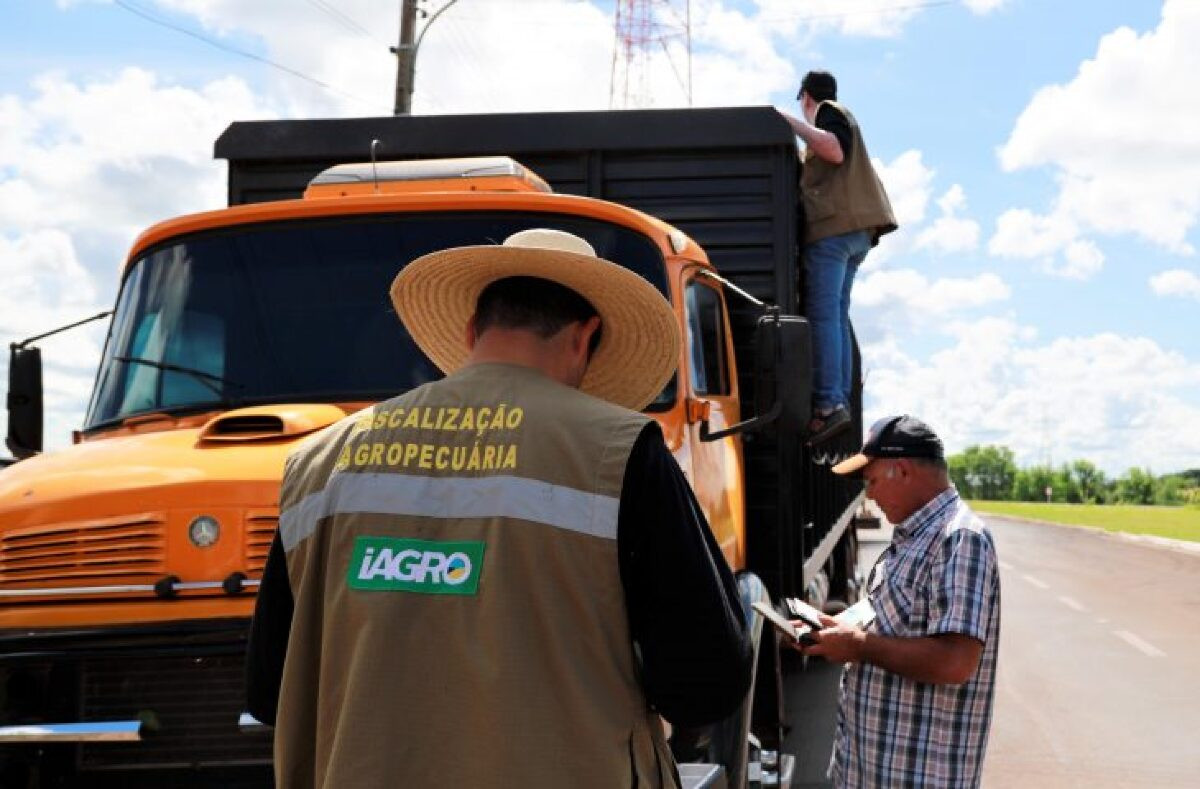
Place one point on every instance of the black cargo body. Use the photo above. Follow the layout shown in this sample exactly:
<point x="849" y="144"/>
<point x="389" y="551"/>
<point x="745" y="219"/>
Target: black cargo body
<point x="728" y="177"/>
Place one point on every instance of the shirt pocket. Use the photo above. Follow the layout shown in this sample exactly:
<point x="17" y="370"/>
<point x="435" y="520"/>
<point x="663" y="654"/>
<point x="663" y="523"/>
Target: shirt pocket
<point x="893" y="608"/>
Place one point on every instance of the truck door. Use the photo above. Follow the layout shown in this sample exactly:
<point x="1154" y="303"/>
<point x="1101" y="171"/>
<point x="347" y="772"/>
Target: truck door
<point x="711" y="386"/>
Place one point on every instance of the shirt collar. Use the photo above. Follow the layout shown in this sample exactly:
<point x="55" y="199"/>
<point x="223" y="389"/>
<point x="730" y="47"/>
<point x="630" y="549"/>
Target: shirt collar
<point x="927" y="514"/>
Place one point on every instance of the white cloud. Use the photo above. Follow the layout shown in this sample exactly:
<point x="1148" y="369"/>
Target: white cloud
<point x="984" y="7"/>
<point x="1176" y="282"/>
<point x="45" y="286"/>
<point x="1118" y="401"/>
<point x="905" y="297"/>
<point x="866" y="18"/>
<point x="1083" y="259"/>
<point x="1022" y="234"/>
<point x="111" y="156"/>
<point x="909" y="185"/>
<point x="950" y="232"/>
<point x="1123" y="136"/>
<point x="84" y="166"/>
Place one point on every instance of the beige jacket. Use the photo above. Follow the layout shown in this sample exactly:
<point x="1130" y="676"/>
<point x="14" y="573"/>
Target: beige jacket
<point x="459" y="615"/>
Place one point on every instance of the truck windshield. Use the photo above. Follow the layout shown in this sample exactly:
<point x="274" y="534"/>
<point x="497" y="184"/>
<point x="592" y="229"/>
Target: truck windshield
<point x="297" y="311"/>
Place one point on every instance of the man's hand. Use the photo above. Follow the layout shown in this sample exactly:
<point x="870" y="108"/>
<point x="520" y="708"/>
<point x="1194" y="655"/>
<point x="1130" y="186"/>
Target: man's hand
<point x="943" y="659"/>
<point x="823" y="143"/>
<point x="836" y="642"/>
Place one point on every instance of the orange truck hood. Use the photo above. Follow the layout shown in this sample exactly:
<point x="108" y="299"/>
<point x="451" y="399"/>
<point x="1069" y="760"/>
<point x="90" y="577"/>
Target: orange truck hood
<point x="142" y="462"/>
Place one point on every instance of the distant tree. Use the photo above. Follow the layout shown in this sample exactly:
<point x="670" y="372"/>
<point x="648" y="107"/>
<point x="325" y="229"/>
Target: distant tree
<point x="1030" y="484"/>
<point x="983" y="472"/>
<point x="1172" y="489"/>
<point x="1088" y="482"/>
<point x="1136" y="487"/>
<point x="1062" y="486"/>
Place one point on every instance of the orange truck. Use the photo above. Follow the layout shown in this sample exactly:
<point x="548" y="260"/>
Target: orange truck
<point x="129" y="560"/>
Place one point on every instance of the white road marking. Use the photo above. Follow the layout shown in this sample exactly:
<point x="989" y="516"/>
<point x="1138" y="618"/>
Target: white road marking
<point x="1040" y="584"/>
<point x="1101" y="621"/>
<point x="1149" y="650"/>
<point x="1071" y="603"/>
<point x="1004" y="565"/>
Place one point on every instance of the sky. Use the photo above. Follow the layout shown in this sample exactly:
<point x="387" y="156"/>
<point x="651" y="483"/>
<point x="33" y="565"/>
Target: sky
<point x="1043" y="158"/>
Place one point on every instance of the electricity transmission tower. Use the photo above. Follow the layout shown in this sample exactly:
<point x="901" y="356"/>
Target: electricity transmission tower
<point x="641" y="28"/>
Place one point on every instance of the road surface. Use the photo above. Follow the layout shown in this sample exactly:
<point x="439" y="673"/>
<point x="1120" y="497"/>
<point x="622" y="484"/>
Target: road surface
<point x="1099" y="667"/>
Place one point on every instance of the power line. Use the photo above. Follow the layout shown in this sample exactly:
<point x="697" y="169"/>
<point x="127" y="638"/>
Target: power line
<point x="915" y="6"/>
<point x="235" y="51"/>
<point x="344" y="20"/>
<point x="862" y="11"/>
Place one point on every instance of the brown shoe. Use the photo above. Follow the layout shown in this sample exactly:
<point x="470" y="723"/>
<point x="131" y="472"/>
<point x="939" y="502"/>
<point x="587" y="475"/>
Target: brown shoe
<point x="824" y="426"/>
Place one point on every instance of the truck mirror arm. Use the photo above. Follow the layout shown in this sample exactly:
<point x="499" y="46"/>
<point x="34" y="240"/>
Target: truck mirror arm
<point x="749" y="425"/>
<point x="24" y="399"/>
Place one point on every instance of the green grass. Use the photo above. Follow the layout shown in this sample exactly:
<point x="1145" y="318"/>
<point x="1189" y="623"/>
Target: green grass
<point x="1178" y="523"/>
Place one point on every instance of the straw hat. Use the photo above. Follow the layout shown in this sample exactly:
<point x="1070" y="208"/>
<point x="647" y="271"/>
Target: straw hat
<point x="435" y="296"/>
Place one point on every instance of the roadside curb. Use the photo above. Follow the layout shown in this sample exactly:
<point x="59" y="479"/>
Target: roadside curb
<point x="1148" y="540"/>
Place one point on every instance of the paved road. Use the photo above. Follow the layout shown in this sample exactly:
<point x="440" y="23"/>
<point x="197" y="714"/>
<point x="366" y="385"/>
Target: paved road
<point x="1099" y="677"/>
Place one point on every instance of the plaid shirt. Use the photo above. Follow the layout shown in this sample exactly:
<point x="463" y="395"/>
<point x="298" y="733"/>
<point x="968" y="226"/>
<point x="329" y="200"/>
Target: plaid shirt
<point x="939" y="575"/>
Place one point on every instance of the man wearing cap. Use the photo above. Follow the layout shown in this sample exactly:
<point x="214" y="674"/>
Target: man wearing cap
<point x="917" y="689"/>
<point x="500" y="578"/>
<point x="846" y="210"/>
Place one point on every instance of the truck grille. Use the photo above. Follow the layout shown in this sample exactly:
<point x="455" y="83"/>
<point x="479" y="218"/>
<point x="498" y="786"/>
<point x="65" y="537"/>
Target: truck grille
<point x="259" y="532"/>
<point x="195" y="702"/>
<point x="129" y="549"/>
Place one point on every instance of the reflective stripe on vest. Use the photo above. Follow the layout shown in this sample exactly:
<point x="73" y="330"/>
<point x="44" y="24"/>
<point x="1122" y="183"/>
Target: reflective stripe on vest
<point x="452" y="497"/>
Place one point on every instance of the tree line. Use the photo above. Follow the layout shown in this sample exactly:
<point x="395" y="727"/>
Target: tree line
<point x="989" y="472"/>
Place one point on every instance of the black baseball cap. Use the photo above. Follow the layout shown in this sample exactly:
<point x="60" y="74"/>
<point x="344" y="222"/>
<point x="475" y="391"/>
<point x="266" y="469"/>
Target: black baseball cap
<point x="895" y="437"/>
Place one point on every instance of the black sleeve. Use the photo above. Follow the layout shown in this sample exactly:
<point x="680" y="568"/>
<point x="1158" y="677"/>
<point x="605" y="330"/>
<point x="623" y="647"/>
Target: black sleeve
<point x="269" y="632"/>
<point x="685" y="613"/>
<point x="830" y="120"/>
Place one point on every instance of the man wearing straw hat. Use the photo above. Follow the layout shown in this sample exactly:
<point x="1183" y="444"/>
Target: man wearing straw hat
<point x="500" y="578"/>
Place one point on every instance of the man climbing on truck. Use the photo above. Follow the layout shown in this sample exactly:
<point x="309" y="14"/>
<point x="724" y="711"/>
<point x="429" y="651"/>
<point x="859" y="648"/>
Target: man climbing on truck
<point x="846" y="210"/>
<point x="507" y="601"/>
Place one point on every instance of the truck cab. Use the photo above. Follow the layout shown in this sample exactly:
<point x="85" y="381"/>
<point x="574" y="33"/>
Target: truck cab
<point x="129" y="560"/>
<point x="135" y="552"/>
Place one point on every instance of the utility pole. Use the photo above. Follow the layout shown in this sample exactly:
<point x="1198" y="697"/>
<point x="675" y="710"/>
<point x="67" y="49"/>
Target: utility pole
<point x="406" y="58"/>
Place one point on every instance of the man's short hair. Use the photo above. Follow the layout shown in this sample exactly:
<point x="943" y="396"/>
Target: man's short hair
<point x="534" y="304"/>
<point x="819" y="85"/>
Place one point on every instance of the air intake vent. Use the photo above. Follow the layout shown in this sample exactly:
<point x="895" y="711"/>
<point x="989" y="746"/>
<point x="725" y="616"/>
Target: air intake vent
<point x="259" y="531"/>
<point x="256" y="424"/>
<point x="128" y="549"/>
<point x="273" y="421"/>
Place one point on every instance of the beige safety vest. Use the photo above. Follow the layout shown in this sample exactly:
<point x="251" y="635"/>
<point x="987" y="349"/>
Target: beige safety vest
<point x="842" y="198"/>
<point x="459" y="615"/>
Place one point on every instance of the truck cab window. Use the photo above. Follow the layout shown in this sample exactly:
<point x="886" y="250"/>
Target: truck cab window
<point x="706" y="340"/>
<point x="298" y="311"/>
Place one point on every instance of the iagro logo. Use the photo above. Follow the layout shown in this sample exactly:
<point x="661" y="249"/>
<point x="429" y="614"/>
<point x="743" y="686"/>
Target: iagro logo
<point x="390" y="564"/>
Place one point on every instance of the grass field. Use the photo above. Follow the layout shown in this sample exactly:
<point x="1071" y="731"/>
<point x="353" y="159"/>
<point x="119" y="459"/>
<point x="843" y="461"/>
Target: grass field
<point x="1178" y="523"/>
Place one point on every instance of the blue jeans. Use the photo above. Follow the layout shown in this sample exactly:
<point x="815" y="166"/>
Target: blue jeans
<point x="830" y="265"/>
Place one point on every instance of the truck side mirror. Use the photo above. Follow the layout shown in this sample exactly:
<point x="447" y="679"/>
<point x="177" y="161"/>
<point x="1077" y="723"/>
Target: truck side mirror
<point x="783" y="370"/>
<point x="782" y="377"/>
<point x="24" y="401"/>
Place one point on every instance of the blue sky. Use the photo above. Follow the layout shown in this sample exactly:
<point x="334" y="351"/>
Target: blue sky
<point x="1044" y="157"/>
